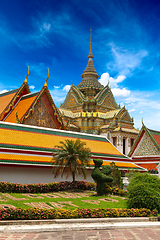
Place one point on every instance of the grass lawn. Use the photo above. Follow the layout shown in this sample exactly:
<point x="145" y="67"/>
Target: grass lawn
<point x="65" y="200"/>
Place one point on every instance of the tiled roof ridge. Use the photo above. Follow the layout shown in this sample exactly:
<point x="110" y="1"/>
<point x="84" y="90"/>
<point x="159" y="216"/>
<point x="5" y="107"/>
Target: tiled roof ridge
<point x="29" y="95"/>
<point x="9" y="92"/>
<point x="44" y="129"/>
<point x="151" y="130"/>
<point x="11" y="104"/>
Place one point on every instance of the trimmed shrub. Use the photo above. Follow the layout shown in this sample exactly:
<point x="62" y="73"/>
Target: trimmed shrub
<point x="101" y="177"/>
<point x="144" y="192"/>
<point x="35" y="214"/>
<point x="45" y="187"/>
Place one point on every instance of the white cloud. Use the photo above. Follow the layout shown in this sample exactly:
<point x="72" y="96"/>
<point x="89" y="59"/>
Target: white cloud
<point x="126" y="61"/>
<point x="105" y="78"/>
<point x="32" y="87"/>
<point x="66" y="88"/>
<point x="117" y="92"/>
<point x="141" y="112"/>
<point x="57" y="87"/>
<point x="3" y="91"/>
<point x="132" y="110"/>
<point x="45" y="27"/>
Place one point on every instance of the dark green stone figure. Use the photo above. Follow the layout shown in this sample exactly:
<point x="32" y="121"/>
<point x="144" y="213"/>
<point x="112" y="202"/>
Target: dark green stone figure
<point x="101" y="177"/>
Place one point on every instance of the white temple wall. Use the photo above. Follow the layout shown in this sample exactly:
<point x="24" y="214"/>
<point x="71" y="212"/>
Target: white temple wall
<point x="35" y="175"/>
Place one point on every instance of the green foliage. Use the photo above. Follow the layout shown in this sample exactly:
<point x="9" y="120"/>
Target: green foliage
<point x="45" y="187"/>
<point x="116" y="175"/>
<point x="130" y="174"/>
<point x="71" y="157"/>
<point x="34" y="214"/>
<point x="144" y="191"/>
<point x="100" y="177"/>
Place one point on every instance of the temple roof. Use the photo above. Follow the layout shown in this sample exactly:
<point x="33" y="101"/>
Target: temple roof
<point x="146" y="149"/>
<point x="6" y="98"/>
<point x="22" y="144"/>
<point x="21" y="108"/>
<point x="9" y="99"/>
<point x="153" y="135"/>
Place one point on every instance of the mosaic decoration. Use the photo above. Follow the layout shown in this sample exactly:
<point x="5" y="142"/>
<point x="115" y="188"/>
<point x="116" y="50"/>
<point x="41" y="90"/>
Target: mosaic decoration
<point x="31" y="195"/>
<point x="146" y="147"/>
<point x="38" y="205"/>
<point x="108" y="200"/>
<point x="91" y="201"/>
<point x="6" y="206"/>
<point x="13" y="198"/>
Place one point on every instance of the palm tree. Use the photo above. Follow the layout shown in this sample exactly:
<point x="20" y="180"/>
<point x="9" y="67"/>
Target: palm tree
<point x="71" y="157"/>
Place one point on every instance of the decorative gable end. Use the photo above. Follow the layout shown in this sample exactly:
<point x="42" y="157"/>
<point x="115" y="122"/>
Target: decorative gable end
<point x="74" y="98"/>
<point x="146" y="147"/>
<point x="126" y="117"/>
<point x="42" y="115"/>
<point x="105" y="98"/>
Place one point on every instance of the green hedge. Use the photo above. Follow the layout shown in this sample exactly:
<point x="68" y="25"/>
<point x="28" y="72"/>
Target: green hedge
<point x="54" y="187"/>
<point x="144" y="192"/>
<point x="34" y="214"/>
<point x="45" y="187"/>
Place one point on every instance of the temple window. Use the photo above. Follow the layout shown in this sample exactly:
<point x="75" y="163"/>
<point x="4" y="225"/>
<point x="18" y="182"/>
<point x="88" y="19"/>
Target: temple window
<point x="124" y="145"/>
<point x="115" y="141"/>
<point x="132" y="141"/>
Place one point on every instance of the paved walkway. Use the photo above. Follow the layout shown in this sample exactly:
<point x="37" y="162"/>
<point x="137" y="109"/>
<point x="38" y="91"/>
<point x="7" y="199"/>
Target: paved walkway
<point x="113" y="234"/>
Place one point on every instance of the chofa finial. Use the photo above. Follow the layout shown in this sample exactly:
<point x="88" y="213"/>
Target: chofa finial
<point x="45" y="84"/>
<point x="142" y="121"/>
<point x="27" y="76"/>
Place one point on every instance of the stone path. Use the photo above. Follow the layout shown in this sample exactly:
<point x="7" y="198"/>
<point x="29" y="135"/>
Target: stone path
<point x="114" y="234"/>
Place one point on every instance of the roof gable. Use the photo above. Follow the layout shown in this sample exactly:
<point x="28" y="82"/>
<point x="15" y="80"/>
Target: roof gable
<point x="6" y="98"/>
<point x="10" y="100"/>
<point x="21" y="108"/>
<point x="146" y="143"/>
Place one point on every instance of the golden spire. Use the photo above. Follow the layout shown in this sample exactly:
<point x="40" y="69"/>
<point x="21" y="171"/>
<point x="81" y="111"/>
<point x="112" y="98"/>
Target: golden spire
<point x="27" y="76"/>
<point x="90" y="51"/>
<point x="90" y="37"/>
<point x="45" y="84"/>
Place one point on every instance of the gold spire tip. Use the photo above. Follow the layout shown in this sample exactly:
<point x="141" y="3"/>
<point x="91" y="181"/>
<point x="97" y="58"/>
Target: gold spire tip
<point x="45" y="84"/>
<point x="90" y="36"/>
<point x="142" y="121"/>
<point x="27" y="76"/>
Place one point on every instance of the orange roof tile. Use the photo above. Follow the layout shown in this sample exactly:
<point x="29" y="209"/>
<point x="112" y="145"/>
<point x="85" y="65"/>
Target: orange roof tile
<point x="5" y="99"/>
<point x="148" y="165"/>
<point x="21" y="108"/>
<point x="41" y="140"/>
<point x="36" y="140"/>
<point x="157" y="138"/>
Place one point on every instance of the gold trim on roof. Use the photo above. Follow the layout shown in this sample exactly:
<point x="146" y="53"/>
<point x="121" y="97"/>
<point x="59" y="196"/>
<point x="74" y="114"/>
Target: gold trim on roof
<point x="27" y="76"/>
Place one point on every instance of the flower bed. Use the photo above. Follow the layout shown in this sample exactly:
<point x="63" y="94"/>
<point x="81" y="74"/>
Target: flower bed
<point x="53" y="187"/>
<point x="32" y="214"/>
<point x="45" y="187"/>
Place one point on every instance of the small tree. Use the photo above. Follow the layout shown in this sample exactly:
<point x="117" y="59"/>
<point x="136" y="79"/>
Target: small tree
<point x="71" y="157"/>
<point x="116" y="174"/>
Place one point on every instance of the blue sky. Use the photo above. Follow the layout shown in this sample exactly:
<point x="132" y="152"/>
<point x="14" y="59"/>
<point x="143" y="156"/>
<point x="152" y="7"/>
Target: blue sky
<point x="55" y="34"/>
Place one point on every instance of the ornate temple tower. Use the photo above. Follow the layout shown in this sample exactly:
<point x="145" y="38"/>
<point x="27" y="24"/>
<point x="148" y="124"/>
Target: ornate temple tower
<point x="90" y="107"/>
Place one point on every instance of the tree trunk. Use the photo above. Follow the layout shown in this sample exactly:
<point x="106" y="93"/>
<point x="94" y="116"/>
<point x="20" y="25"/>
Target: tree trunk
<point x="73" y="176"/>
